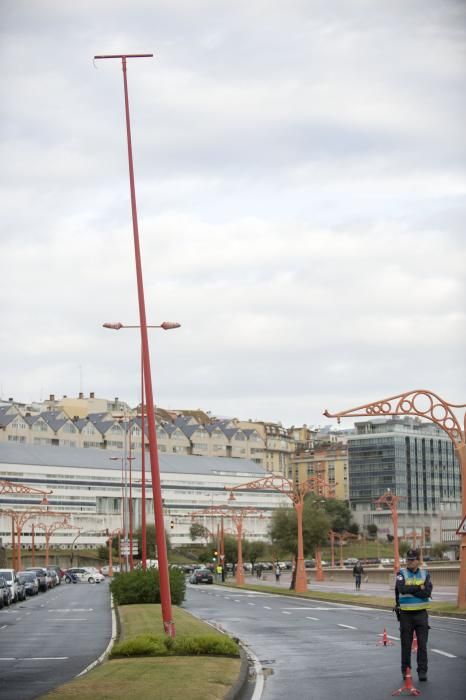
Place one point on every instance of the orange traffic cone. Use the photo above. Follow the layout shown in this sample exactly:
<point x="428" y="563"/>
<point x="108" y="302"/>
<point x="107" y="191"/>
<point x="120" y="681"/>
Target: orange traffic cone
<point x="414" y="646"/>
<point x="408" y="686"/>
<point x="385" y="640"/>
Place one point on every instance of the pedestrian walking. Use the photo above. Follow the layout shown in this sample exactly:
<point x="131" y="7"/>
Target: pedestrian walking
<point x="258" y="570"/>
<point x="412" y="593"/>
<point x="358" y="572"/>
<point x="278" y="572"/>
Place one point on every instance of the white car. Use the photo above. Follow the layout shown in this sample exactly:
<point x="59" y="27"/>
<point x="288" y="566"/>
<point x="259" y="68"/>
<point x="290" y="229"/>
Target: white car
<point x="84" y="574"/>
<point x="106" y="569"/>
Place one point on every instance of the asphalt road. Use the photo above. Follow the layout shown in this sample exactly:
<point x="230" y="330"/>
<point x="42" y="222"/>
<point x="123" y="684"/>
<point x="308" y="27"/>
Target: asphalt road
<point x="319" y="651"/>
<point x="441" y="593"/>
<point x="50" y="638"/>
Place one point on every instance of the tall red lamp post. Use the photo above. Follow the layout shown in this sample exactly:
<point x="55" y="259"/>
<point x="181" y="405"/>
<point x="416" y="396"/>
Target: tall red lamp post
<point x="50" y="529"/>
<point x="117" y="326"/>
<point x="165" y="595"/>
<point x="296" y="493"/>
<point x="426" y="404"/>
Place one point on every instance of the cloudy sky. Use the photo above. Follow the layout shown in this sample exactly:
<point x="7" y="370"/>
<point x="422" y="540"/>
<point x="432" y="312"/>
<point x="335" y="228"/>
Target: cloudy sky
<point x="301" y="180"/>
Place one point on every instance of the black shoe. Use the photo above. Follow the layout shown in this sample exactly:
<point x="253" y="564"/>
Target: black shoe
<point x="422" y="675"/>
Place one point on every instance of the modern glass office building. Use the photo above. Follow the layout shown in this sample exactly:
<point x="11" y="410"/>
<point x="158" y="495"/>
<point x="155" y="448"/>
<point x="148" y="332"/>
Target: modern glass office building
<point x="414" y="459"/>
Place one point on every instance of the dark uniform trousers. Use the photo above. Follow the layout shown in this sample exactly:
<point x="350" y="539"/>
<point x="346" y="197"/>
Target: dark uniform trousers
<point x="410" y="622"/>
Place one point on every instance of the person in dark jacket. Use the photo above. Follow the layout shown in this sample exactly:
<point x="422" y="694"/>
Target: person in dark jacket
<point x="357" y="573"/>
<point x="412" y="592"/>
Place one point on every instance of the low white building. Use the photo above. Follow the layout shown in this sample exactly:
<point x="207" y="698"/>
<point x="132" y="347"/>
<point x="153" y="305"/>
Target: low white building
<point x="89" y="485"/>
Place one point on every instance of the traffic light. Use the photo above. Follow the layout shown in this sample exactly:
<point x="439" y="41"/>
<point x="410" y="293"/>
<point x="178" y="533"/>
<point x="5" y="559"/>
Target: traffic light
<point x="215" y="555"/>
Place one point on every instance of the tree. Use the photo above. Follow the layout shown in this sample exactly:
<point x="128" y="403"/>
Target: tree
<point x="252" y="550"/>
<point x="341" y="518"/>
<point x="150" y="541"/>
<point x="198" y="532"/>
<point x="284" y="528"/>
<point x="372" y="530"/>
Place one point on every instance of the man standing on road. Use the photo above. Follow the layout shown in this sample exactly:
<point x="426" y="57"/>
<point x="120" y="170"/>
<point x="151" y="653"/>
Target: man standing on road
<point x="413" y="591"/>
<point x="357" y="573"/>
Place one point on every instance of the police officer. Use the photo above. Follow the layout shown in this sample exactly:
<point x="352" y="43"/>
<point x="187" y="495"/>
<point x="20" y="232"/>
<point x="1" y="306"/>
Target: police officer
<point x="413" y="591"/>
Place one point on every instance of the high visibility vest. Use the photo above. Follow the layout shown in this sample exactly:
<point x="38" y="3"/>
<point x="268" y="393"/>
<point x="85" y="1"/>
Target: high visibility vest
<point x="408" y="601"/>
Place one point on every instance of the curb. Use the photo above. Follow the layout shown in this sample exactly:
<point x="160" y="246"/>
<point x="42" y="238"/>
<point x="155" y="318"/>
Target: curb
<point x="105" y="653"/>
<point x="244" y="673"/>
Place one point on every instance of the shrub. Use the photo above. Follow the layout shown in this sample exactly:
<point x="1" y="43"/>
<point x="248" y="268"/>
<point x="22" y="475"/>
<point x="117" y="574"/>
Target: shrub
<point x="209" y="644"/>
<point x="140" y="586"/>
<point x="161" y="645"/>
<point x="143" y="645"/>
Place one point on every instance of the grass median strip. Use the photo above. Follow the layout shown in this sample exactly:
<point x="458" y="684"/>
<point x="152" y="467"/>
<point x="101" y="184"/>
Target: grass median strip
<point x="159" y="671"/>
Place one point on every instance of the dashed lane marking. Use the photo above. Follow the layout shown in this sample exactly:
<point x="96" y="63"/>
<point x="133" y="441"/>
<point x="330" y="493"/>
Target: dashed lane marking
<point x="67" y="619"/>
<point x="284" y="612"/>
<point x="312" y="618"/>
<point x="348" y="627"/>
<point x="3" y="627"/>
<point x="251" y="603"/>
<point x="444" y="653"/>
<point x="267" y="607"/>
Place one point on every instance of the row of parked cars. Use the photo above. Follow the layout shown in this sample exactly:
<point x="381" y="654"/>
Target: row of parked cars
<point x="17" y="585"/>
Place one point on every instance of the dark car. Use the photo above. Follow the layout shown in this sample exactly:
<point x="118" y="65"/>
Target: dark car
<point x="5" y="592"/>
<point x="201" y="576"/>
<point x="29" y="579"/>
<point x="41" y="575"/>
<point x="20" y="589"/>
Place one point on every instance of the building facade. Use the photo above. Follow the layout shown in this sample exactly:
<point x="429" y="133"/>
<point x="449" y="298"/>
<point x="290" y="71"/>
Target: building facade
<point x="91" y="487"/>
<point x="417" y="462"/>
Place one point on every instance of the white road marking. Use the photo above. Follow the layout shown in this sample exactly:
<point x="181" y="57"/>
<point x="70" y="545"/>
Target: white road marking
<point x="18" y="619"/>
<point x="302" y="608"/>
<point x="34" y="658"/>
<point x="237" y="601"/>
<point x="3" y="627"/>
<point x="312" y="618"/>
<point x="285" y="613"/>
<point x="227" y="597"/>
<point x="349" y="627"/>
<point x="267" y="607"/>
<point x="67" y="619"/>
<point x="444" y="653"/>
<point x="251" y="603"/>
<point x="397" y="639"/>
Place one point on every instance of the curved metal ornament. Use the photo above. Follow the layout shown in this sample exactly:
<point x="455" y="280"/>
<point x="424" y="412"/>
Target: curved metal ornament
<point x="420" y="402"/>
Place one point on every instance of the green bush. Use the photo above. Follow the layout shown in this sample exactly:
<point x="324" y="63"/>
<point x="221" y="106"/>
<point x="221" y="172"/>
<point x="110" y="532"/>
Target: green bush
<point x="140" y="586"/>
<point x="211" y="644"/>
<point x="143" y="645"/>
<point x="161" y="645"/>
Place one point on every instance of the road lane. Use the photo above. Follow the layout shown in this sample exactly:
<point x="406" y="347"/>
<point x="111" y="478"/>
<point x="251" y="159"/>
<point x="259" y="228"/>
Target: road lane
<point x="324" y="650"/>
<point x="47" y="640"/>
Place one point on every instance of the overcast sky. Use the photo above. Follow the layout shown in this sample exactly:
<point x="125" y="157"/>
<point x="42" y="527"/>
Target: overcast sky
<point x="301" y="179"/>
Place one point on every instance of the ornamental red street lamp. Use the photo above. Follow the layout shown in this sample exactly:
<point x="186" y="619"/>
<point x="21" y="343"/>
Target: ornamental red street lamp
<point x="426" y="404"/>
<point x="12" y="488"/>
<point x="19" y="518"/>
<point x="236" y="515"/>
<point x="391" y="501"/>
<point x="166" y="325"/>
<point x="296" y="493"/>
<point x="165" y="595"/>
<point x="49" y="530"/>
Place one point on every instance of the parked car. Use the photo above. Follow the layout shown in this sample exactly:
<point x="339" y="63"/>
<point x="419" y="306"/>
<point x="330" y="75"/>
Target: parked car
<point x="20" y="589"/>
<point x="5" y="592"/>
<point x="309" y="563"/>
<point x="54" y="577"/>
<point x="115" y="569"/>
<point x="201" y="576"/>
<point x="84" y="574"/>
<point x="351" y="561"/>
<point x="59" y="571"/>
<point x="12" y="580"/>
<point x="41" y="575"/>
<point x="29" y="579"/>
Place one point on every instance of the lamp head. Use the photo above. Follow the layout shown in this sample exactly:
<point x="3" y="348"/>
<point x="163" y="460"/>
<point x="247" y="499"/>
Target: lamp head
<point x="115" y="326"/>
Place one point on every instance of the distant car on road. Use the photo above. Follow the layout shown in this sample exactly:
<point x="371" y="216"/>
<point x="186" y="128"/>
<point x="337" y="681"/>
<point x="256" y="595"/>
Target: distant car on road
<point x="201" y="576"/>
<point x="84" y="574"/>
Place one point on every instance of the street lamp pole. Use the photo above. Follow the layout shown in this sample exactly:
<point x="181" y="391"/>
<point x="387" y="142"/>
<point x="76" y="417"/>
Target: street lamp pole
<point x="426" y="404"/>
<point x="391" y="501"/>
<point x="166" y="325"/>
<point x="165" y="595"/>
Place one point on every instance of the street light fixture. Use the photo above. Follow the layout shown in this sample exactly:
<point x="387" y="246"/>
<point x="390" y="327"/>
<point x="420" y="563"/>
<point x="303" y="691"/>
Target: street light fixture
<point x="166" y="325"/>
<point x="296" y="493"/>
<point x="426" y="404"/>
<point x="391" y="501"/>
